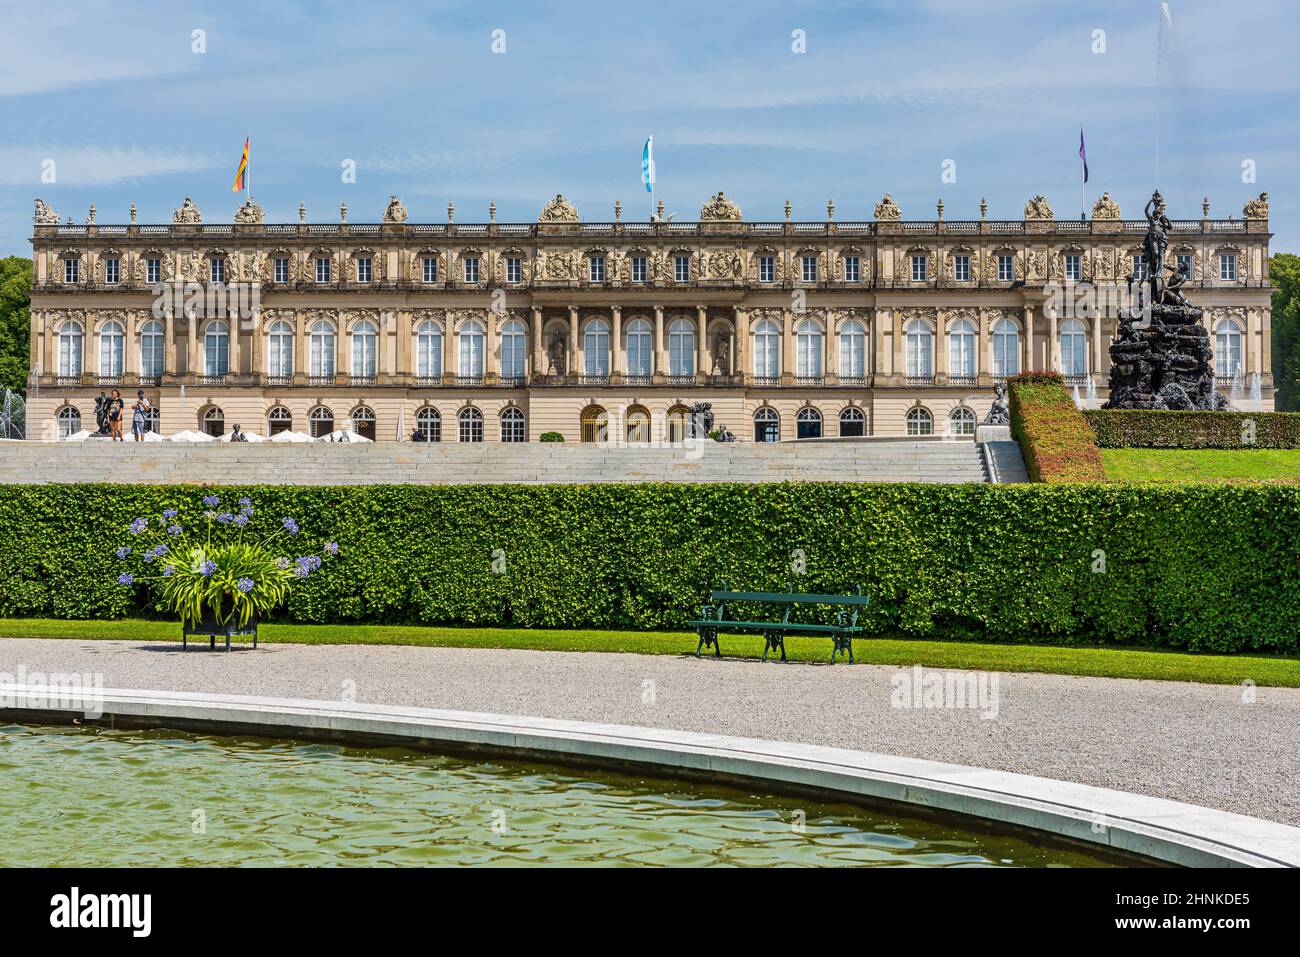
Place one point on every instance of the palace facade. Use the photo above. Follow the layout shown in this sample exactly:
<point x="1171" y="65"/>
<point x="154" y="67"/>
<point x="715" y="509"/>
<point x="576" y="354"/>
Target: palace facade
<point x="606" y="330"/>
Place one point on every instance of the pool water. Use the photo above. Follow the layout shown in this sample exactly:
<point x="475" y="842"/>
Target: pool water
<point x="87" y="796"/>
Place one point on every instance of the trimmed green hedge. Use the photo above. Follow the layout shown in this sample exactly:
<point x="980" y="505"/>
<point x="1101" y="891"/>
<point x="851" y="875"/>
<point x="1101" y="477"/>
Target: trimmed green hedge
<point x="1054" y="437"/>
<point x="1167" y="429"/>
<point x="1213" y="568"/>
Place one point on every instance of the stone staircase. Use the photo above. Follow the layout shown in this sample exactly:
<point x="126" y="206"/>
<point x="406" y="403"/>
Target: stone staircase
<point x="869" y="460"/>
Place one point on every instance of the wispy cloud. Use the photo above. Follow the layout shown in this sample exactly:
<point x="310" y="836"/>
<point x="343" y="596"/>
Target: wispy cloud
<point x="90" y="165"/>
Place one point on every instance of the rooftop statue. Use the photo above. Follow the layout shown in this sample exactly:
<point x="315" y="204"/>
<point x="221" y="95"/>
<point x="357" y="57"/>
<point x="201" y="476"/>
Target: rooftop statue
<point x="558" y="210"/>
<point x="187" y="213"/>
<point x="250" y="213"/>
<point x="719" y="207"/>
<point x="395" y="212"/>
<point x="45" y="215"/>
<point x="887" y="210"/>
<point x="1256" y="208"/>
<point x="1039" y="208"/>
<point x="1105" y="208"/>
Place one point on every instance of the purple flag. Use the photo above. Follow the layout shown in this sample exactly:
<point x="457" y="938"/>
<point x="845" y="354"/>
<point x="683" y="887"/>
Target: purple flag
<point x="1083" y="155"/>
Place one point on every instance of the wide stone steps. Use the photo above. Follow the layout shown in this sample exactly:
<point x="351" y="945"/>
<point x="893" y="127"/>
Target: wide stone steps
<point x="473" y="463"/>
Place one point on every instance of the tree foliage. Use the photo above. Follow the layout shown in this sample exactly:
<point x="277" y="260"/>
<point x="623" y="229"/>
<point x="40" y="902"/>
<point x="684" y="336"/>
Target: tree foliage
<point x="1284" y="272"/>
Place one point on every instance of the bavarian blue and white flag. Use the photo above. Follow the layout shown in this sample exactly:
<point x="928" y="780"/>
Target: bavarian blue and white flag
<point x="648" y="163"/>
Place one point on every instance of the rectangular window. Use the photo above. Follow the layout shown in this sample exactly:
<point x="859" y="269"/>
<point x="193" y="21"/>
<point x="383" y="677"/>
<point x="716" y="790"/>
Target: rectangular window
<point x="766" y="268"/>
<point x="514" y="269"/>
<point x="638" y="269"/>
<point x="682" y="268"/>
<point x="471" y="268"/>
<point x="852" y="269"/>
<point x="430" y="264"/>
<point x="1184" y="264"/>
<point x="152" y="271"/>
<point x="596" y="268"/>
<point x="1227" y="267"/>
<point x="70" y="267"/>
<point x="961" y="268"/>
<point x="1139" y="268"/>
<point x="1073" y="268"/>
<point x="217" y="270"/>
<point x="809" y="268"/>
<point x="282" y="270"/>
<point x="1006" y="267"/>
<point x="363" y="269"/>
<point x="919" y="268"/>
<point x="112" y="271"/>
<point x="322" y="269"/>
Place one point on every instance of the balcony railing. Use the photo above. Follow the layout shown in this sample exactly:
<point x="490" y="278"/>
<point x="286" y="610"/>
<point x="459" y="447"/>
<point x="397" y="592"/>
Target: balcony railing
<point x="764" y="380"/>
<point x="963" y="379"/>
<point x="279" y="381"/>
<point x="918" y="380"/>
<point x="363" y="380"/>
<point x="681" y="378"/>
<point x="428" y="381"/>
<point x="109" y="379"/>
<point x="593" y="380"/>
<point x="638" y="379"/>
<point x="808" y="380"/>
<point x="210" y="380"/>
<point x="857" y="381"/>
<point x="320" y="380"/>
<point x="513" y="381"/>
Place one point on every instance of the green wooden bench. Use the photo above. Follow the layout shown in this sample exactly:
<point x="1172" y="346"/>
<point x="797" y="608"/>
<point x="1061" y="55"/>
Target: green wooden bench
<point x="714" y="620"/>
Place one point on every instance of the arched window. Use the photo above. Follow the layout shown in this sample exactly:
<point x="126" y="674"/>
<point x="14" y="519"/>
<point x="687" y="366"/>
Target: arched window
<point x="638" y="425"/>
<point x="69" y="420"/>
<point x="595" y="348"/>
<point x="111" y="348"/>
<point x="809" y="350"/>
<point x="961" y="348"/>
<point x="471" y="349"/>
<point x="1006" y="348"/>
<point x="278" y="420"/>
<point x="919" y="422"/>
<point x="152" y="343"/>
<point x="216" y="348"/>
<point x="365" y="348"/>
<point x="594" y="424"/>
<point x="767" y="425"/>
<point x="961" y="421"/>
<point x="681" y="347"/>
<point x="920" y="349"/>
<point x="428" y="424"/>
<point x="363" y="422"/>
<point x="153" y="418"/>
<point x="514" y="348"/>
<point x="512" y="425"/>
<point x="71" y="346"/>
<point x="428" y="351"/>
<point x="640" y="348"/>
<point x="471" y="424"/>
<point x="1227" y="349"/>
<point x="677" y="418"/>
<point x="214" y="421"/>
<point x="852" y="422"/>
<point x="1074" y="348"/>
<point x="767" y="349"/>
<point x="321" y="338"/>
<point x="808" y="423"/>
<point x="322" y="421"/>
<point x="853" y="349"/>
<point x="279" y="349"/>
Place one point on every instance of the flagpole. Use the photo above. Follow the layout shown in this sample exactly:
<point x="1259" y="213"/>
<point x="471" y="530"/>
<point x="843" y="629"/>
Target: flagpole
<point x="248" y="170"/>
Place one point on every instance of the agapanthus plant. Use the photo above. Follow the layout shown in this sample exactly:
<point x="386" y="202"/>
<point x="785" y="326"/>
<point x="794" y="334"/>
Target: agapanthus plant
<point x="219" y="564"/>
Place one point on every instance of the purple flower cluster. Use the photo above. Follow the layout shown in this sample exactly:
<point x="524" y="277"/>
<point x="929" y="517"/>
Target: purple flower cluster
<point x="332" y="548"/>
<point x="174" y="530"/>
<point x="245" y="585"/>
<point x="208" y="568"/>
<point x="283" y="563"/>
<point x="169" y="514"/>
<point x="306" y="564"/>
<point x="139" y="525"/>
<point x="211" y="501"/>
<point x="169" y="571"/>
<point x="123" y="552"/>
<point x="126" y="578"/>
<point x="290" y="525"/>
<point x="158" y="551"/>
<point x="241" y="520"/>
<point x="225" y="518"/>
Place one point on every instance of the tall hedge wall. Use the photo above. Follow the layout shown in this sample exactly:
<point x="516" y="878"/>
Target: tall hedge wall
<point x="1054" y="437"/>
<point x="1199" y="567"/>
<point x="1167" y="429"/>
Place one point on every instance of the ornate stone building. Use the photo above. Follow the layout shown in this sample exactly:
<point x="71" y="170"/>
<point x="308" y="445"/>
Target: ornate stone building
<point x="605" y="330"/>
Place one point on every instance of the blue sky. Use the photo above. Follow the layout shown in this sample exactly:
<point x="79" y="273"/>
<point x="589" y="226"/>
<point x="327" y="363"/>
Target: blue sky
<point x="412" y="92"/>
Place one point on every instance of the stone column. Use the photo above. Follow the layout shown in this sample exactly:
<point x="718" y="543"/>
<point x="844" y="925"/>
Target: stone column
<point x="1266" y="346"/>
<point x="787" y="344"/>
<point x="829" y="351"/>
<point x="1096" y="345"/>
<point x="661" y="361"/>
<point x="401" y="330"/>
<point x="233" y="321"/>
<point x="450" y="360"/>
<point x="900" y="360"/>
<point x="341" y="351"/>
<point x="130" y="354"/>
<point x="300" y="354"/>
<point x="256" y="346"/>
<point x="940" y="344"/>
<point x="1053" y="346"/>
<point x="984" y="354"/>
<point x="1250" y="357"/>
<point x="577" y="365"/>
<point x="1029" y="339"/>
<point x="740" y="354"/>
<point x="491" y="363"/>
<point x="619" y="365"/>
<point x="539" y="348"/>
<point x="702" y="340"/>
<point x="89" y="350"/>
<point x="196" y="346"/>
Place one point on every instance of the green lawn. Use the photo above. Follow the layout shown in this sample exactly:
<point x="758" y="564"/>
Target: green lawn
<point x="1052" y="659"/>
<point x="1202" y="465"/>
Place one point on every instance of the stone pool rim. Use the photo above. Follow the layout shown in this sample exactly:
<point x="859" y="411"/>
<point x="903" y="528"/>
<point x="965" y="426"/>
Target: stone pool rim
<point x="1131" y="824"/>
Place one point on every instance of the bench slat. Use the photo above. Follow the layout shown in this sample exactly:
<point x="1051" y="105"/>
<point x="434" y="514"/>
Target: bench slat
<point x="788" y="598"/>
<point x="777" y="626"/>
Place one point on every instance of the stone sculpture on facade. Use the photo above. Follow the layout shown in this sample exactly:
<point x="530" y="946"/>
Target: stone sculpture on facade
<point x="1105" y="208"/>
<point x="1256" y="208"/>
<point x="1161" y="356"/>
<point x="250" y="214"/>
<point x="395" y="213"/>
<point x="1039" y="208"/>
<point x="187" y="213"/>
<point x="558" y="210"/>
<point x="557" y="355"/>
<point x="887" y="210"/>
<point x="721" y="354"/>
<point x="45" y="215"/>
<point x="719" y="207"/>
<point x="999" y="411"/>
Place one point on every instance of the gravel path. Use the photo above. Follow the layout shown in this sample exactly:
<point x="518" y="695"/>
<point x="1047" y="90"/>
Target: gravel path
<point x="1190" y="742"/>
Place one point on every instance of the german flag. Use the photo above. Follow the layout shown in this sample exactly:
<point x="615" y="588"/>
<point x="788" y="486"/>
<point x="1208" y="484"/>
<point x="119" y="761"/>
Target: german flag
<point x="241" y="174"/>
